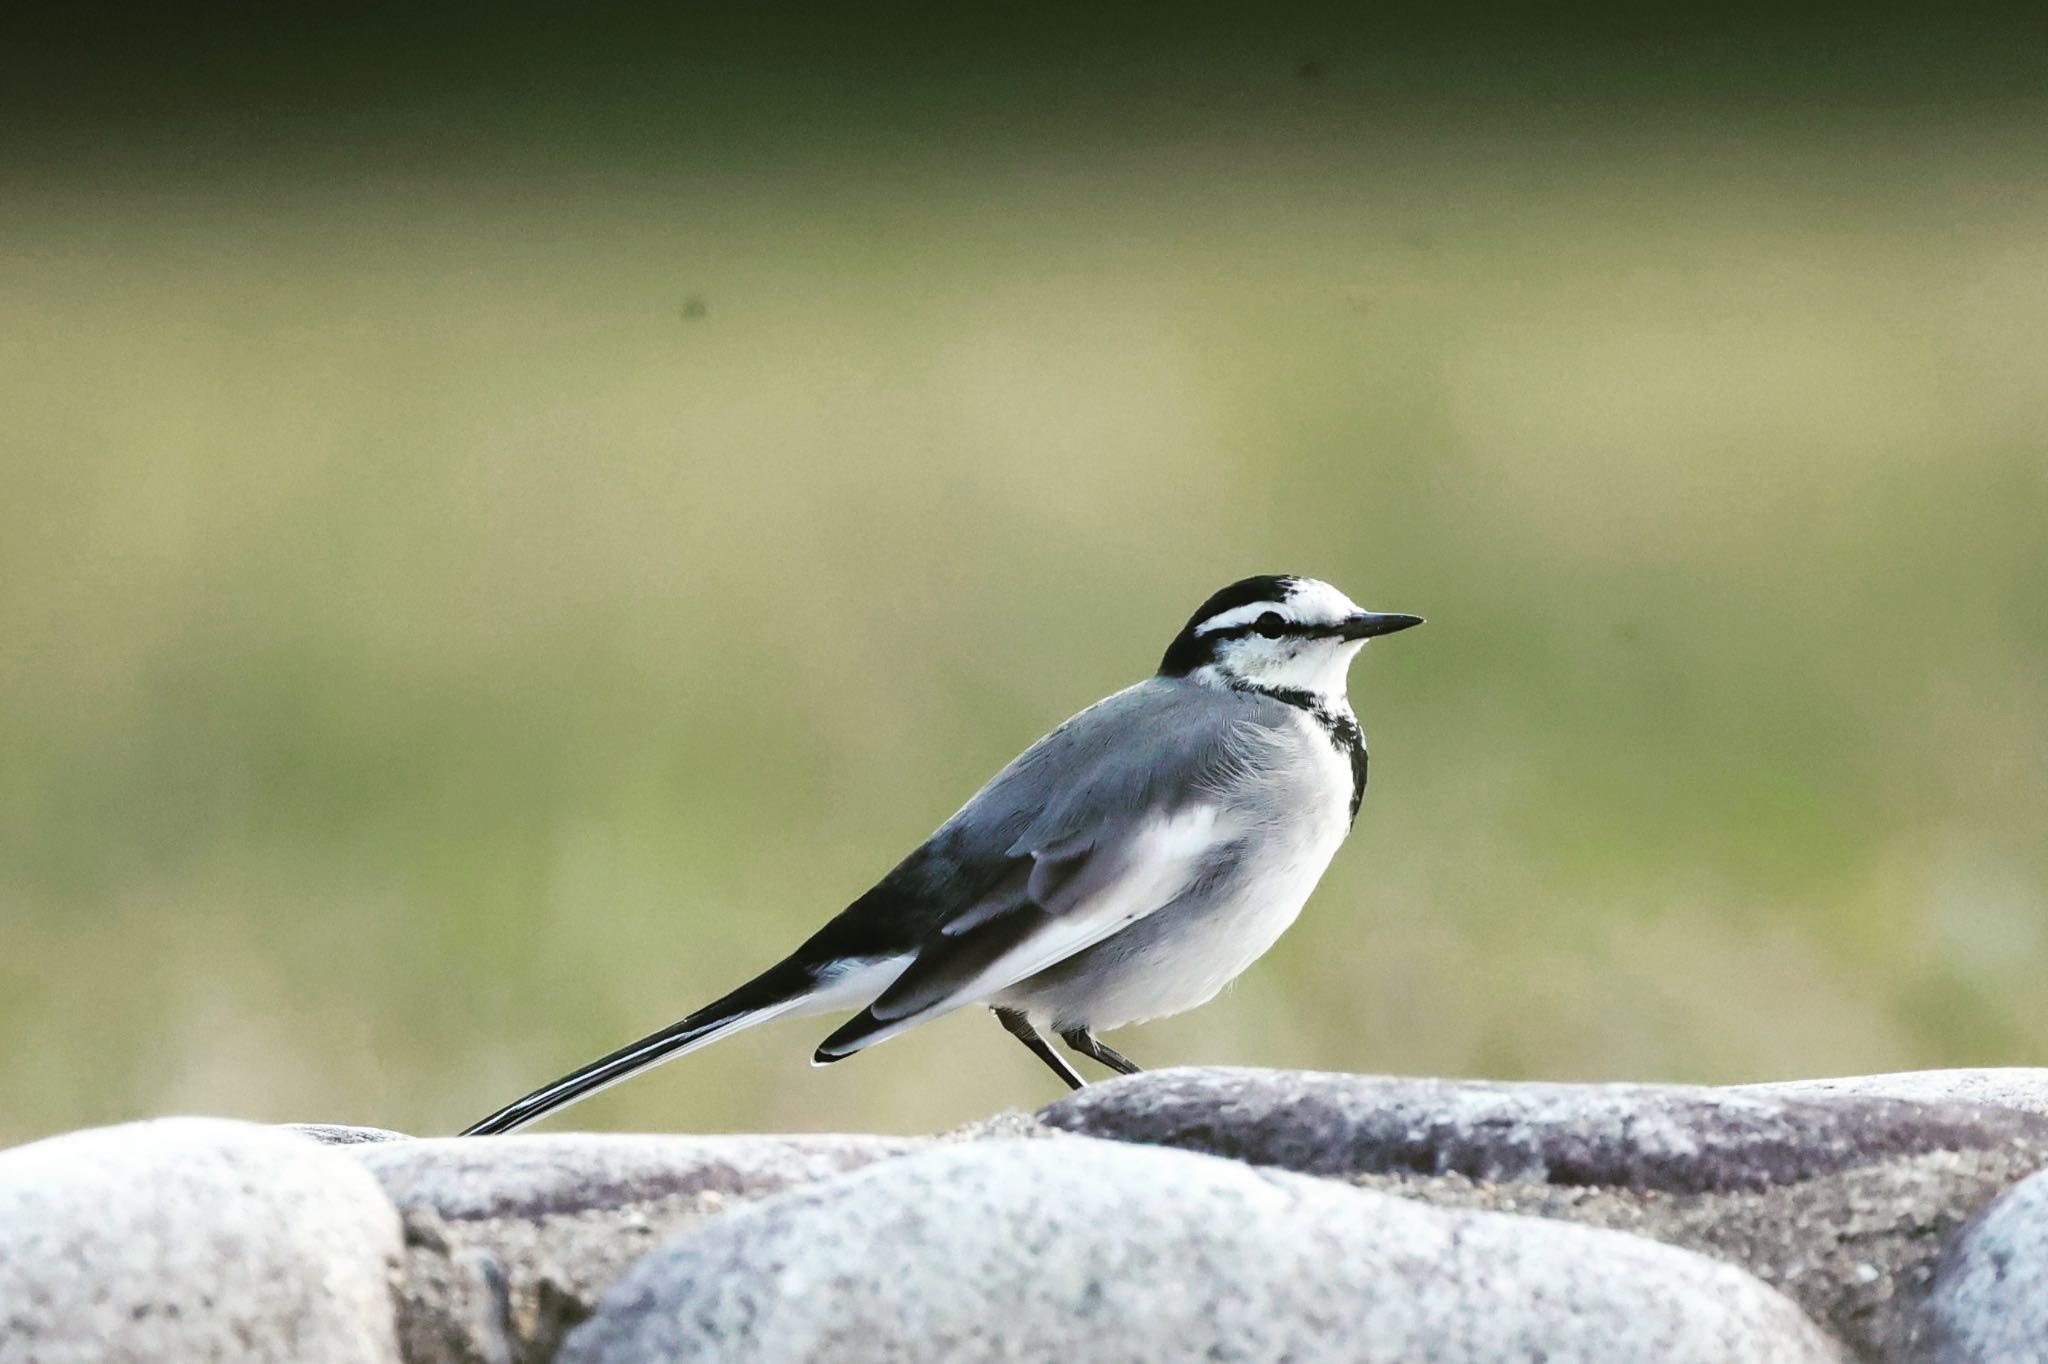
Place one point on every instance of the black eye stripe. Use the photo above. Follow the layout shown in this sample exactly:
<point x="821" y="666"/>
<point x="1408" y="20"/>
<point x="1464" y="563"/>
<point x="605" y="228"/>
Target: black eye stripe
<point x="1196" y="644"/>
<point x="1289" y="629"/>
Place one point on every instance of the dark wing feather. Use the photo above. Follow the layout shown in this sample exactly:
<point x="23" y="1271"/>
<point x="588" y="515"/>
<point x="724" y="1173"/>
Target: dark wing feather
<point x="1045" y="795"/>
<point x="1076" y="822"/>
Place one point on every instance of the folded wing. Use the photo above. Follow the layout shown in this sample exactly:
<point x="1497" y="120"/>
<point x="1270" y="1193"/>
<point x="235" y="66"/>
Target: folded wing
<point x="1067" y="895"/>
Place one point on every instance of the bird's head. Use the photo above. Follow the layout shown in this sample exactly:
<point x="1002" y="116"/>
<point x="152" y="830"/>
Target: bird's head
<point x="1277" y="633"/>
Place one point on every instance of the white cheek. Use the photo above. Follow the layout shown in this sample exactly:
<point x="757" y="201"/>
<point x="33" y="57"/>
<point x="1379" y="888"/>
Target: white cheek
<point x="1320" y="669"/>
<point x="1316" y="670"/>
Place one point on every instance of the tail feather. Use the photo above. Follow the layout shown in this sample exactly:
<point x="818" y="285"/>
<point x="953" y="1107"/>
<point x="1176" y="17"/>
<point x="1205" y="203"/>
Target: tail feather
<point x="769" y="995"/>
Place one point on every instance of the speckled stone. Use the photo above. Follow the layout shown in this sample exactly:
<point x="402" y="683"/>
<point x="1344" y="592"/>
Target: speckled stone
<point x="1664" y="1138"/>
<point x="1990" y="1298"/>
<point x="193" y="1239"/>
<point x="510" y="1240"/>
<point x="2021" y="1088"/>
<point x="1845" y="1202"/>
<point x="1099" y="1253"/>
<point x="339" y="1134"/>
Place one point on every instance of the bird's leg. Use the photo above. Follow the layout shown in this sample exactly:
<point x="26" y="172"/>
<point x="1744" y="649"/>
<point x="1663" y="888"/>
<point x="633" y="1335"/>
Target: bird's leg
<point x="1019" y="1027"/>
<point x="1083" y="1041"/>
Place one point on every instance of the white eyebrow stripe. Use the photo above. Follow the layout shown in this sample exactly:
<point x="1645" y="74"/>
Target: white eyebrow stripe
<point x="1241" y="615"/>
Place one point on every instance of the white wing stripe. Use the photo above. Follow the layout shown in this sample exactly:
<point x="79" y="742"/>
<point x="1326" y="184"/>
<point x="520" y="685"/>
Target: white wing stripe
<point x="1149" y="868"/>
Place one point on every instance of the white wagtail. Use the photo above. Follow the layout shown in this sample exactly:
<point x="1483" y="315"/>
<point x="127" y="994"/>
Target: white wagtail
<point x="1125" y="867"/>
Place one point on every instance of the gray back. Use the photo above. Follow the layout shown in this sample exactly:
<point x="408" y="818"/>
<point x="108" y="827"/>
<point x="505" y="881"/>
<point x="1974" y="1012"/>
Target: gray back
<point x="1150" y="748"/>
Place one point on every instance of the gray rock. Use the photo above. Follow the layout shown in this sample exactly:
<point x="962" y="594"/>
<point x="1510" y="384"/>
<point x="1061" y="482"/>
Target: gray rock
<point x="193" y="1239"/>
<point x="2024" y="1088"/>
<point x="1845" y="1203"/>
<point x="1857" y="1250"/>
<point x="1990" y="1298"/>
<point x="533" y="1177"/>
<point x="1093" y="1252"/>
<point x="1011" y="1122"/>
<point x="511" y="1240"/>
<point x="1666" y="1138"/>
<point x="337" y="1134"/>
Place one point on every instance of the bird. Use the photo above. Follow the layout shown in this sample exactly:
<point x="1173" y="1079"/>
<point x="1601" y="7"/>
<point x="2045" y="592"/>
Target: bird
<point x="1125" y="867"/>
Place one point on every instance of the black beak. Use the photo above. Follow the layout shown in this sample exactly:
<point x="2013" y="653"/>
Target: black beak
<point x="1370" y="624"/>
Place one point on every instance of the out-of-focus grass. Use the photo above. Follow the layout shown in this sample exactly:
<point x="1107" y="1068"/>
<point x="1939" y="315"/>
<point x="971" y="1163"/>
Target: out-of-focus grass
<point x="428" y="657"/>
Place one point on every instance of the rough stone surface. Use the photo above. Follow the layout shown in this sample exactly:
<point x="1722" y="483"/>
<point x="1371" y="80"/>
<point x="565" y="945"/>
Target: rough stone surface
<point x="193" y="1239"/>
<point x="1990" y="1299"/>
<point x="1844" y="1203"/>
<point x="511" y="1240"/>
<point x="1857" y="1250"/>
<point x="2024" y="1088"/>
<point x="1854" y="1197"/>
<point x="338" y="1134"/>
<point x="1664" y="1138"/>
<point x="1096" y="1252"/>
<point x="1011" y="1122"/>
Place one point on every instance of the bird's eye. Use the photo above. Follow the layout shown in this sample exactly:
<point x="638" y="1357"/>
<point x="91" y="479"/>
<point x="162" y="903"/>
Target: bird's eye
<point x="1272" y="625"/>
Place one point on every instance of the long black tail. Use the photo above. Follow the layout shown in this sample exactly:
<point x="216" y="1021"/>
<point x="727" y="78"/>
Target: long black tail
<point x="776" y="991"/>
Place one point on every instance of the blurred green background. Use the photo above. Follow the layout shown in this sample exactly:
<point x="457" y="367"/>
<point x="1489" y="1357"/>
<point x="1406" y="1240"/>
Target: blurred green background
<point x="508" y="521"/>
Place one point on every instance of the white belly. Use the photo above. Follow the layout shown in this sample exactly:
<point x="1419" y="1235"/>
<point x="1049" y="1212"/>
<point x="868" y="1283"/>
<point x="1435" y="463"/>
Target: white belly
<point x="1182" y="955"/>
